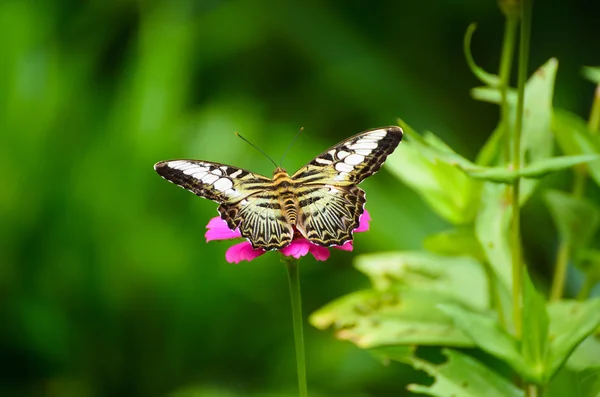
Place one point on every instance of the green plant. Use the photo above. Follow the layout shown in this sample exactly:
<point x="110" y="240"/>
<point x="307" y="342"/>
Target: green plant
<point x="470" y="288"/>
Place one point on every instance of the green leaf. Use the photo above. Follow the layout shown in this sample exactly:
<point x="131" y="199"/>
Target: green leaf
<point x="397" y="316"/>
<point x="543" y="167"/>
<point x="491" y="228"/>
<point x="401" y="354"/>
<point x="485" y="77"/>
<point x="461" y="278"/>
<point x="463" y="376"/>
<point x="455" y="242"/>
<point x="490" y="151"/>
<point x="492" y="95"/>
<point x="577" y="220"/>
<point x="535" y="144"/>
<point x="588" y="260"/>
<point x="574" y="137"/>
<point x="536" y="169"/>
<point x="586" y="355"/>
<point x="583" y="383"/>
<point x="570" y="323"/>
<point x="489" y="336"/>
<point x="535" y="330"/>
<point x="592" y="73"/>
<point x="425" y="169"/>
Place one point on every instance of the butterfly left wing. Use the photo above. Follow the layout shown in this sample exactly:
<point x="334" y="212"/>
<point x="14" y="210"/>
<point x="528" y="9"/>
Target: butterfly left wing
<point x="330" y="203"/>
<point x="247" y="201"/>
<point x="217" y="182"/>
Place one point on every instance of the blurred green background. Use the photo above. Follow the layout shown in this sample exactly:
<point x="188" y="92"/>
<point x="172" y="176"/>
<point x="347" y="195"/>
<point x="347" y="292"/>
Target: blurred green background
<point x="107" y="285"/>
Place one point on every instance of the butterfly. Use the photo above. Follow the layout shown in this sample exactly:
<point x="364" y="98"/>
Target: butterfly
<point x="321" y="201"/>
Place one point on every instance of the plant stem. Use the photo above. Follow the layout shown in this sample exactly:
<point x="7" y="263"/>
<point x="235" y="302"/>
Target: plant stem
<point x="586" y="289"/>
<point x="564" y="249"/>
<point x="294" y="281"/>
<point x="517" y="262"/>
<point x="594" y="122"/>
<point x="560" y="270"/>
<point x="532" y="390"/>
<point x="495" y="299"/>
<point x="506" y="60"/>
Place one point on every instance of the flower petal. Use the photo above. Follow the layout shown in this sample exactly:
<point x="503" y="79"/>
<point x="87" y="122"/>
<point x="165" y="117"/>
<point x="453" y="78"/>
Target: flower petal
<point x="218" y="230"/>
<point x="242" y="252"/>
<point x="320" y="253"/>
<point x="363" y="222"/>
<point x="297" y="248"/>
<point x="347" y="246"/>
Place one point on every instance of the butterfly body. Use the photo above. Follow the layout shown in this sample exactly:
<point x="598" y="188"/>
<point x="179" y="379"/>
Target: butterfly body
<point x="321" y="201"/>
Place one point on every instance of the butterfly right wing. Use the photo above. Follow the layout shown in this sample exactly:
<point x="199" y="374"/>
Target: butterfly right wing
<point x="247" y="201"/>
<point x="330" y="202"/>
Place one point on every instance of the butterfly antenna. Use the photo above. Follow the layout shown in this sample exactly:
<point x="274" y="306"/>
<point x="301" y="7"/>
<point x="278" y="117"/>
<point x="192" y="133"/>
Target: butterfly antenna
<point x="257" y="148"/>
<point x="290" y="145"/>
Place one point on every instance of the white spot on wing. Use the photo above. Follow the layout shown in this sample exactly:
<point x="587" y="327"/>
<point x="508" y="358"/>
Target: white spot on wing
<point x="341" y="176"/>
<point x="354" y="159"/>
<point x="378" y="133"/>
<point x="217" y="171"/>
<point x="343" y="167"/>
<point x="199" y="174"/>
<point x="322" y="161"/>
<point x="364" y="144"/>
<point x="232" y="193"/>
<point x="223" y="184"/>
<point x="177" y="164"/>
<point x="193" y="170"/>
<point x="236" y="174"/>
<point x="363" y="152"/>
<point x="209" y="179"/>
<point x="342" y="153"/>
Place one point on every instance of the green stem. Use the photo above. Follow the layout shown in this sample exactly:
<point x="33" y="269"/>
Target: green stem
<point x="560" y="271"/>
<point x="580" y="178"/>
<point x="506" y="61"/>
<point x="532" y="390"/>
<point x="589" y="282"/>
<point x="508" y="50"/>
<point x="495" y="299"/>
<point x="294" y="281"/>
<point x="517" y="262"/>
<point x="594" y="123"/>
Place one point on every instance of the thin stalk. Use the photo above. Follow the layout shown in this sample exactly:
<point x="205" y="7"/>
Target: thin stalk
<point x="517" y="262"/>
<point x="495" y="299"/>
<point x="560" y="270"/>
<point x="586" y="289"/>
<point x="506" y="60"/>
<point x="594" y="122"/>
<point x="294" y="281"/>
<point x="532" y="390"/>
<point x="580" y="179"/>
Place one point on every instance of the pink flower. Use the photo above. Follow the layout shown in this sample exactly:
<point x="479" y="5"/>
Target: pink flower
<point x="218" y="230"/>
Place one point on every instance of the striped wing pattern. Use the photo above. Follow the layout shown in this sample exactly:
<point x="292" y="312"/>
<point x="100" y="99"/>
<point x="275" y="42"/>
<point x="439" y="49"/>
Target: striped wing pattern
<point x="332" y="202"/>
<point x="321" y="201"/>
<point x="248" y="201"/>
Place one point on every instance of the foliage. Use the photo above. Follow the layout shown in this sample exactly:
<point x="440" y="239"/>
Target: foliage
<point x="108" y="287"/>
<point x="457" y="293"/>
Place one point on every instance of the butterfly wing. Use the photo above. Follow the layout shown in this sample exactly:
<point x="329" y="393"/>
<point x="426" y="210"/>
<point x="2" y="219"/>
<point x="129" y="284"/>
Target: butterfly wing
<point x="247" y="201"/>
<point x="330" y="203"/>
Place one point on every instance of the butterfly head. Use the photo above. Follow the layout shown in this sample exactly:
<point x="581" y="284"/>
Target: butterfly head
<point x="280" y="173"/>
